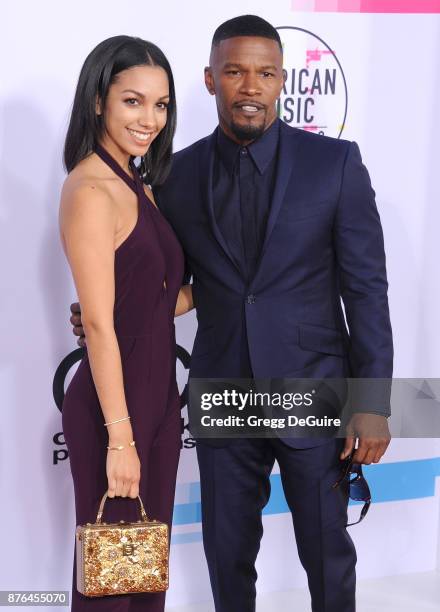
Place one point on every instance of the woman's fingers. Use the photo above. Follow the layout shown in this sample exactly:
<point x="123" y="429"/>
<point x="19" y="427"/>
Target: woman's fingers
<point x="134" y="489"/>
<point x="120" y="487"/>
<point x="111" y="487"/>
<point x="127" y="488"/>
<point x="123" y="473"/>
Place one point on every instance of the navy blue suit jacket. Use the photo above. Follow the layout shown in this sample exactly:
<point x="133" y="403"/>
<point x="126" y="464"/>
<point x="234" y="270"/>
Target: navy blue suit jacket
<point x="323" y="242"/>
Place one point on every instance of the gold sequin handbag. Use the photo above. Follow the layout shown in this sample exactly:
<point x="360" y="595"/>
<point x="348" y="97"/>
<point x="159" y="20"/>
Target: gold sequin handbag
<point x="121" y="558"/>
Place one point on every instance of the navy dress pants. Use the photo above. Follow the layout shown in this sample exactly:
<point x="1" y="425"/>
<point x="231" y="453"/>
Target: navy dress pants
<point x="235" y="487"/>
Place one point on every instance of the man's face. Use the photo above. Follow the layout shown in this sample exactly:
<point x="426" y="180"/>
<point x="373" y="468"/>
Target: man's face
<point x="246" y="77"/>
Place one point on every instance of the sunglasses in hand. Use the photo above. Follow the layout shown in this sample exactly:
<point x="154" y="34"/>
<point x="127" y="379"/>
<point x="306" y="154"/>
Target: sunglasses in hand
<point x="358" y="489"/>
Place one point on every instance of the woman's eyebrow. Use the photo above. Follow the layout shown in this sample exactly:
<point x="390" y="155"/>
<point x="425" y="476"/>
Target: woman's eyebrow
<point x="138" y="93"/>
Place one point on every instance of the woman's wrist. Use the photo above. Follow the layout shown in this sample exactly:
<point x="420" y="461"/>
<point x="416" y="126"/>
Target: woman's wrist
<point x="121" y="447"/>
<point x="120" y="433"/>
<point x="120" y="420"/>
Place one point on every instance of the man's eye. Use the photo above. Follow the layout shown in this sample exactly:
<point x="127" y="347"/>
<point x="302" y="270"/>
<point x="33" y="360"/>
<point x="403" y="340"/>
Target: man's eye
<point x="267" y="74"/>
<point x="233" y="72"/>
<point x="131" y="101"/>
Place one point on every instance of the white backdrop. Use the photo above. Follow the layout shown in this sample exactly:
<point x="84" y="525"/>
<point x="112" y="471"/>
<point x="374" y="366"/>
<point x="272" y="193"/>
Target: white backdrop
<point x="392" y="69"/>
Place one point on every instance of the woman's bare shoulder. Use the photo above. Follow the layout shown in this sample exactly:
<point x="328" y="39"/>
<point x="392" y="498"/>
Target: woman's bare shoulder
<point x="86" y="200"/>
<point x="85" y="188"/>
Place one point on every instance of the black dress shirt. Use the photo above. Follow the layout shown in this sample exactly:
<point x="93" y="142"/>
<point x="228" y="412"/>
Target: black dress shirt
<point x="243" y="182"/>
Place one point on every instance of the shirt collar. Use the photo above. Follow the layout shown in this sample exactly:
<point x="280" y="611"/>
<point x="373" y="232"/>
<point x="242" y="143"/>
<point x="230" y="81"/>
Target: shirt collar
<point x="262" y="150"/>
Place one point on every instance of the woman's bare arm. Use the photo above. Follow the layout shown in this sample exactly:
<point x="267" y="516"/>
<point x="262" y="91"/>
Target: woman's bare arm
<point x="184" y="301"/>
<point x="88" y="223"/>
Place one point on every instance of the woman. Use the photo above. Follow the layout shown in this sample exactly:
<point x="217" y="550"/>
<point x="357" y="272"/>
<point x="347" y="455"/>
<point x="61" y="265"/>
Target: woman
<point x="121" y="412"/>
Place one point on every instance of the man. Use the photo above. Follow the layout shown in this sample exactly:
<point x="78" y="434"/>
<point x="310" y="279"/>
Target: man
<point x="277" y="225"/>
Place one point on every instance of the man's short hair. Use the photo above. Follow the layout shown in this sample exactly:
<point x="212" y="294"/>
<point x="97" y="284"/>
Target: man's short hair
<point x="246" y="25"/>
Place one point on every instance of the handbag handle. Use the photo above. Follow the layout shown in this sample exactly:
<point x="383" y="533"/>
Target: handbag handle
<point x="101" y="509"/>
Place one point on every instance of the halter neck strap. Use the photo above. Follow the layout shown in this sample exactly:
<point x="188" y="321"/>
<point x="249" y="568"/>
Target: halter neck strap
<point x="110" y="161"/>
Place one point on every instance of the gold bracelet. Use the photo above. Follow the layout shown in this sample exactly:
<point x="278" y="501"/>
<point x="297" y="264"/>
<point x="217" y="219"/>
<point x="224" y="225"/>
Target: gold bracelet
<point x="117" y="420"/>
<point x="120" y="447"/>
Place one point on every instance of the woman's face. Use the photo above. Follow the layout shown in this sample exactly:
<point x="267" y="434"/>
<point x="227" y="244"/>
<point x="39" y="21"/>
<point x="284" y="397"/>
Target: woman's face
<point x="136" y="110"/>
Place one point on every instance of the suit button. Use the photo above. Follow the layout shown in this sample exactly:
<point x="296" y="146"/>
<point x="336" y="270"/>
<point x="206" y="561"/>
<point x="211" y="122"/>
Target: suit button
<point x="251" y="299"/>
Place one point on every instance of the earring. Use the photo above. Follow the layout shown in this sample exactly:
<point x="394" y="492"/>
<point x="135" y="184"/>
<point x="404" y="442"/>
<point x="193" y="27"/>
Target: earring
<point x="143" y="167"/>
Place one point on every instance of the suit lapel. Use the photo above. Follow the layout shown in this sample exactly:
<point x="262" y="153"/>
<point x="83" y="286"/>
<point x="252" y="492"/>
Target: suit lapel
<point x="289" y="140"/>
<point x="206" y="166"/>
<point x="287" y="148"/>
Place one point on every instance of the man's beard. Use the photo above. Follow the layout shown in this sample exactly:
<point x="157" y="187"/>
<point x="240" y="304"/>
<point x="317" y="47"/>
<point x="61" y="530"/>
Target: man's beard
<point x="247" y="132"/>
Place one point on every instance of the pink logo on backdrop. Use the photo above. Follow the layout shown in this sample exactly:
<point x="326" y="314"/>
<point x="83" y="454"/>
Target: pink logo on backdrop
<point x="315" y="55"/>
<point x="367" y="6"/>
<point x="314" y="96"/>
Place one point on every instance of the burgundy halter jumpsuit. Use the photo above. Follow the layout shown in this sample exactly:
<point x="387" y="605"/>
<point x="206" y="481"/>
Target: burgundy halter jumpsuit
<point x="143" y="320"/>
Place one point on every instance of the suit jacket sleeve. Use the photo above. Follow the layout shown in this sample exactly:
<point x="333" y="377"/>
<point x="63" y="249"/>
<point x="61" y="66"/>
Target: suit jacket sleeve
<point x="363" y="285"/>
<point x="161" y="198"/>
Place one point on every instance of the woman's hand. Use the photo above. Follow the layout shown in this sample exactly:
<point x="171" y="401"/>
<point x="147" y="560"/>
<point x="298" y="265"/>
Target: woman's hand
<point x="123" y="472"/>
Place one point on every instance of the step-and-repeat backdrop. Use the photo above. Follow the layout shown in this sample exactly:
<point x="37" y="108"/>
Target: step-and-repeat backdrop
<point x="365" y="70"/>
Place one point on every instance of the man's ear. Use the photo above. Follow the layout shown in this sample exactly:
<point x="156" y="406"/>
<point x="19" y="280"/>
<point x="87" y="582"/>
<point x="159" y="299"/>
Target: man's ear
<point x="209" y="81"/>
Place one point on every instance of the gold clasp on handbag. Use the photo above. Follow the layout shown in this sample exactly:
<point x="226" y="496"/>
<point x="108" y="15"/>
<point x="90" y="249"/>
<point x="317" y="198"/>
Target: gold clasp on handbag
<point x="127" y="550"/>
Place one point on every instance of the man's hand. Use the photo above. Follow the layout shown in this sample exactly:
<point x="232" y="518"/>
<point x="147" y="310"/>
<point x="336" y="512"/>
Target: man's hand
<point x="75" y="319"/>
<point x="374" y="437"/>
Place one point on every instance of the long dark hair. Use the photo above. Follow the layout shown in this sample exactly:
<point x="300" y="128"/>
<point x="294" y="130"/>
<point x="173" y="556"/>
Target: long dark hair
<point x="99" y="71"/>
